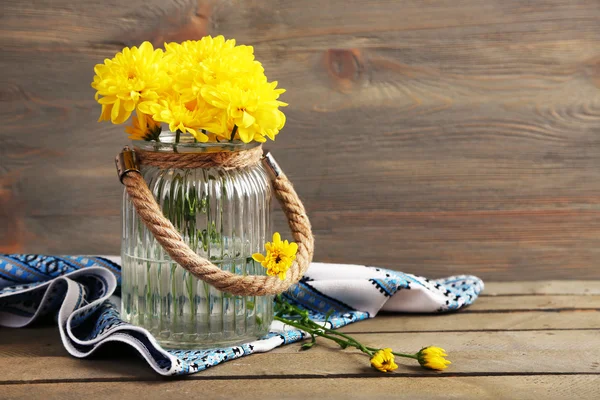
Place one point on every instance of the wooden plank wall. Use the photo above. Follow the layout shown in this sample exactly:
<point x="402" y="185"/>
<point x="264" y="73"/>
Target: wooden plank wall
<point x="436" y="137"/>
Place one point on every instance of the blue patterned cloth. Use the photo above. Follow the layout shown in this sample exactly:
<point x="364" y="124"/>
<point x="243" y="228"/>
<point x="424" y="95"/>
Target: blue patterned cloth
<point x="79" y="291"/>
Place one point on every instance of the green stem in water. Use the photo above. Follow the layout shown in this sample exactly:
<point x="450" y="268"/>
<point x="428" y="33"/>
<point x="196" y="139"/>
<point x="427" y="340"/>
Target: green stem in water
<point x="177" y="137"/>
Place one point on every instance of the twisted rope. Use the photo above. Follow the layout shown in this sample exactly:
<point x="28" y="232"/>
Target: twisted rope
<point x="170" y="239"/>
<point x="224" y="159"/>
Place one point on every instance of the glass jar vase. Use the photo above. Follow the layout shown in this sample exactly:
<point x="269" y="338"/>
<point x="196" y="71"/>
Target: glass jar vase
<point x="225" y="217"/>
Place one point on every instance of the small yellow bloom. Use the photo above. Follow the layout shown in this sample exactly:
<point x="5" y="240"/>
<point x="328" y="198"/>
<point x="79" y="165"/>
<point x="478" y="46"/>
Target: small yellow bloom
<point x="144" y="128"/>
<point x="280" y="256"/>
<point x="433" y="358"/>
<point x="383" y="360"/>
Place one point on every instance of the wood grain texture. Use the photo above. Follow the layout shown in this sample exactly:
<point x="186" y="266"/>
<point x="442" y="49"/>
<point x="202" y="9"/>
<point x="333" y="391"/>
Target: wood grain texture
<point x="461" y="322"/>
<point x="471" y="353"/>
<point x="571" y="287"/>
<point x="540" y="303"/>
<point x="524" y="355"/>
<point x="435" y="137"/>
<point x="492" y="388"/>
<point x="529" y="340"/>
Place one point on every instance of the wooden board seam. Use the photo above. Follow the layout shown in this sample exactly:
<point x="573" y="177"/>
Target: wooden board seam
<point x="525" y="310"/>
<point x="536" y="294"/>
<point x="349" y="332"/>
<point x="375" y="375"/>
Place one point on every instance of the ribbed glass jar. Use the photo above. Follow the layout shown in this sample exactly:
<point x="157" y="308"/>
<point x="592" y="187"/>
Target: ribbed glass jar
<point x="224" y="216"/>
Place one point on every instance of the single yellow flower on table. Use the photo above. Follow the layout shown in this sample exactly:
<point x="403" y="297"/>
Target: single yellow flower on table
<point x="433" y="358"/>
<point x="280" y="256"/>
<point x="383" y="360"/>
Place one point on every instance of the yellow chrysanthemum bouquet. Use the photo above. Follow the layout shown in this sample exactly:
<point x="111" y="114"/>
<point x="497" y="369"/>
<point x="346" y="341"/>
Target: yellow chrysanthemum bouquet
<point x="209" y="88"/>
<point x="208" y="206"/>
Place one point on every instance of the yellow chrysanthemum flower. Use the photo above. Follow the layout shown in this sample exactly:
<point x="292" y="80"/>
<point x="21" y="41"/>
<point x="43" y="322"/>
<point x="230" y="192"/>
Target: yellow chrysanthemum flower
<point x="254" y="110"/>
<point x="280" y="256"/>
<point x="210" y="84"/>
<point x="194" y="64"/>
<point x="433" y="358"/>
<point x="383" y="360"/>
<point x="192" y="53"/>
<point x="144" y="128"/>
<point x="191" y="117"/>
<point x="236" y="65"/>
<point x="133" y="75"/>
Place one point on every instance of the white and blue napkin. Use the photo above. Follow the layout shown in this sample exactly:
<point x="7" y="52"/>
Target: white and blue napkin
<point x="79" y="292"/>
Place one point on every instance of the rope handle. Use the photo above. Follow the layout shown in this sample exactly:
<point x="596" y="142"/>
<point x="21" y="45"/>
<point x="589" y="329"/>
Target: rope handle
<point x="170" y="239"/>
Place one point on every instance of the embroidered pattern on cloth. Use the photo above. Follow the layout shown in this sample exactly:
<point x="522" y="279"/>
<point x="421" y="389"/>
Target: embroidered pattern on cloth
<point x="79" y="291"/>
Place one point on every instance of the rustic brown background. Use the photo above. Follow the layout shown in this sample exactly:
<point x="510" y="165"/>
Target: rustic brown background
<point x="435" y="137"/>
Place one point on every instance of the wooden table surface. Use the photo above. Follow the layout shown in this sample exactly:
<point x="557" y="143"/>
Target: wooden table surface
<point x="519" y="340"/>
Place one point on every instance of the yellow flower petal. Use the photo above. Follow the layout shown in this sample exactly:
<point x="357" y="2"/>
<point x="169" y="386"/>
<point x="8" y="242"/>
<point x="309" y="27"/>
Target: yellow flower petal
<point x="383" y="360"/>
<point x="133" y="75"/>
<point x="438" y="364"/>
<point x="245" y="134"/>
<point x="247" y="120"/>
<point x="129" y="105"/>
<point x="293" y="248"/>
<point x="433" y="358"/>
<point x="107" y="100"/>
<point x="276" y="238"/>
<point x="106" y="112"/>
<point x="279" y="258"/>
<point x="143" y="128"/>
<point x="114" y="114"/>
